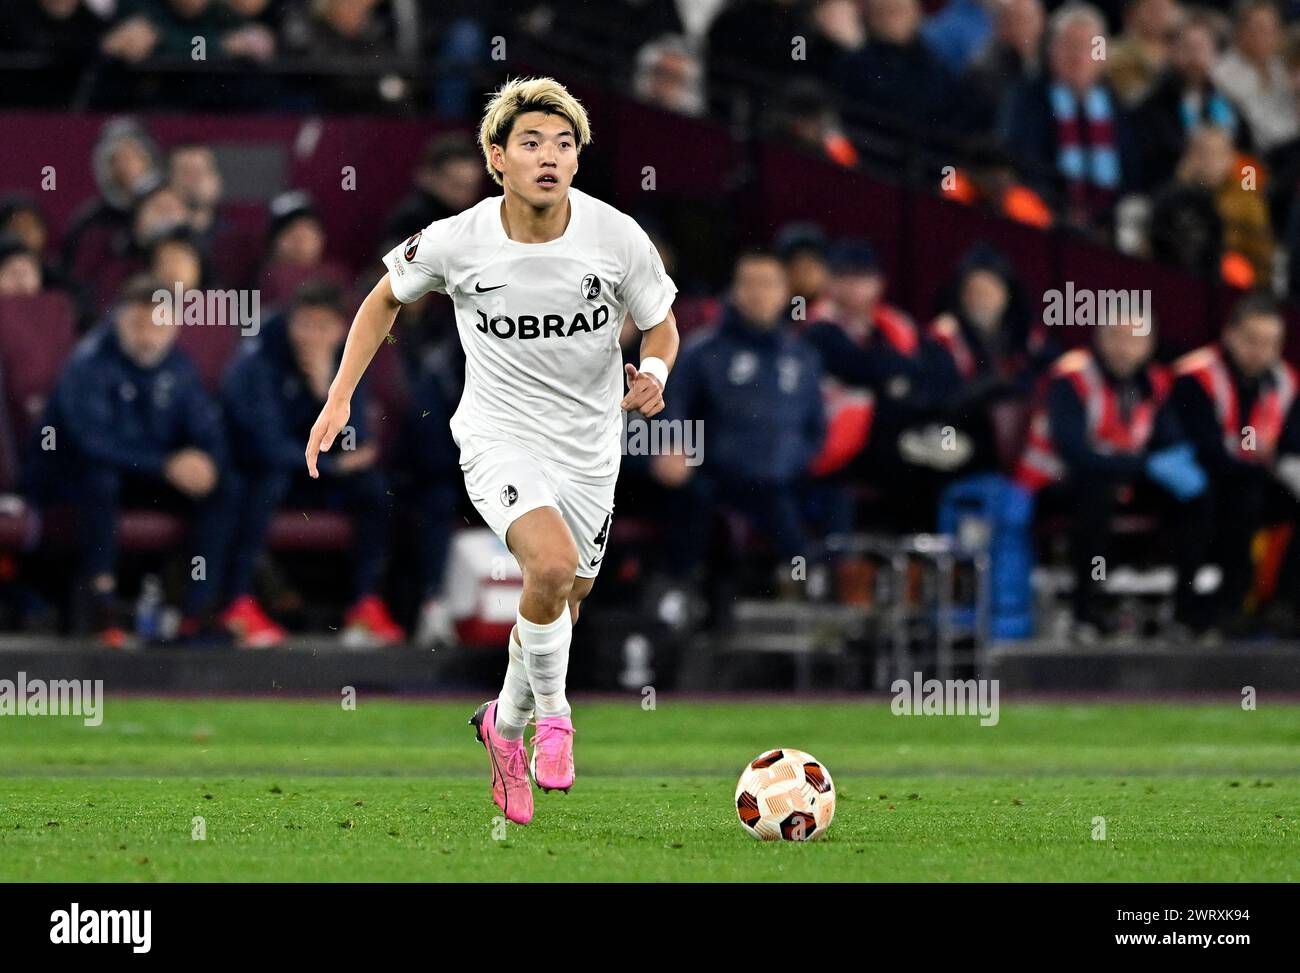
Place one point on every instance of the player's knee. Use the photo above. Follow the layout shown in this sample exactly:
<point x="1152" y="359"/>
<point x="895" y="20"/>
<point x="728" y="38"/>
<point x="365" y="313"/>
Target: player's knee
<point x="553" y="573"/>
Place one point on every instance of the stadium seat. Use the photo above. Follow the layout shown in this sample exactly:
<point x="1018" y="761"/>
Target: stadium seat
<point x="279" y="284"/>
<point x="36" y="336"/>
<point x="310" y="530"/>
<point x="695" y="313"/>
<point x="388" y="397"/>
<point x="210" y="348"/>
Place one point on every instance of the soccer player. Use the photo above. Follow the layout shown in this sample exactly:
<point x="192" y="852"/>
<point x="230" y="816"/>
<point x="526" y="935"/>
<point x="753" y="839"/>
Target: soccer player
<point x="542" y="278"/>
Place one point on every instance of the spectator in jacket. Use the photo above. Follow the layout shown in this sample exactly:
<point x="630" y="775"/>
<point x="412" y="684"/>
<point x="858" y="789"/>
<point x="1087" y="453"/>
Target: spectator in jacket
<point x="957" y="32"/>
<point x="20" y="269"/>
<point x="126" y="164"/>
<point x="1186" y="229"/>
<point x="449" y="179"/>
<point x="177" y="258"/>
<point x="1142" y="52"/>
<point x="434" y="462"/>
<point x="755" y="36"/>
<point x="1183" y="99"/>
<point x="1254" y="76"/>
<point x="1067" y="129"/>
<point x="1236" y="400"/>
<point x="296" y="250"/>
<point x="895" y="72"/>
<point x="65" y="33"/>
<point x="158" y="211"/>
<point x="1210" y="165"/>
<point x="753" y="385"/>
<point x="804" y="249"/>
<point x="193" y="174"/>
<point x="1101" y="441"/>
<point x="1011" y="56"/>
<point x="167" y="28"/>
<point x="22" y="221"/>
<point x="272" y="394"/>
<point x="129" y="424"/>
<point x="988" y="354"/>
<point x="806" y="118"/>
<point x="880" y="384"/>
<point x="670" y="76"/>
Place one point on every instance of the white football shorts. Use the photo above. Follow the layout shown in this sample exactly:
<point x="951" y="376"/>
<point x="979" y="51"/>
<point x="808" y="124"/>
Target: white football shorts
<point x="506" y="482"/>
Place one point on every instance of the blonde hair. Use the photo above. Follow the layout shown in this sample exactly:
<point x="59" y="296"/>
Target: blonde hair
<point x="521" y="95"/>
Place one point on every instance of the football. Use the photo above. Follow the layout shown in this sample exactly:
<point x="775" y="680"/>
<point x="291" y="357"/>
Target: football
<point x="785" y="795"/>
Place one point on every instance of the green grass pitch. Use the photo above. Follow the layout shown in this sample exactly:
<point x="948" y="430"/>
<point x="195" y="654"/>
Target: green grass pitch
<point x="304" y="790"/>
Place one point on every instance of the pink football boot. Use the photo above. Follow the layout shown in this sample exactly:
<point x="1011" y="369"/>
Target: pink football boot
<point x="510" y="786"/>
<point x="552" y="763"/>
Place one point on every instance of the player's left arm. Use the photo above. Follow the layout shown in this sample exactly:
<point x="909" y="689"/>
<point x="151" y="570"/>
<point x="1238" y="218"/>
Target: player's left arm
<point x="645" y="385"/>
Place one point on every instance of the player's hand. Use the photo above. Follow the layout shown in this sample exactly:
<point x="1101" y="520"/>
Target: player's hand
<point x="644" y="393"/>
<point x="328" y="424"/>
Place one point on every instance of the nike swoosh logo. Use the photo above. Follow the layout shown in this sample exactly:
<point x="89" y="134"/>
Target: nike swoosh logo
<point x="597" y="560"/>
<point x="483" y="290"/>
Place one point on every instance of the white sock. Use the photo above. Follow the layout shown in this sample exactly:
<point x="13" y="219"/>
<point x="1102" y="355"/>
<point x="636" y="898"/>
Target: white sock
<point x="515" y="704"/>
<point x="546" y="654"/>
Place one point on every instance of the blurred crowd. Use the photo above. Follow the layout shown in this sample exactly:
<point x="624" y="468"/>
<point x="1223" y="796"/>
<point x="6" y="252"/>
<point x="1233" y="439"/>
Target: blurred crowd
<point x="833" y="413"/>
<point x="827" y="410"/>
<point x="1169" y="129"/>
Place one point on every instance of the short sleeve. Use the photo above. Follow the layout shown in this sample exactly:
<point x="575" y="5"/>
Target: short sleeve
<point x="646" y="290"/>
<point x="417" y="265"/>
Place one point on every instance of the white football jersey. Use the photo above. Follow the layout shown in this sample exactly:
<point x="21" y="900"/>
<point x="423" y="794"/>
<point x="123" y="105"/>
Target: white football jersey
<point x="539" y="323"/>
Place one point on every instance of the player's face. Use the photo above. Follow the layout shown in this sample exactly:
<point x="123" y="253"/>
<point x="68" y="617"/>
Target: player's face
<point x="1256" y="343"/>
<point x="539" y="159"/>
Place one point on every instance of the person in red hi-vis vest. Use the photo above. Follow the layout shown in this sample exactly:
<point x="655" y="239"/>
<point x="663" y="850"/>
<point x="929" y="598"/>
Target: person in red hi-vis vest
<point x="1236" y="400"/>
<point x="1101" y="442"/>
<point x="878" y="384"/>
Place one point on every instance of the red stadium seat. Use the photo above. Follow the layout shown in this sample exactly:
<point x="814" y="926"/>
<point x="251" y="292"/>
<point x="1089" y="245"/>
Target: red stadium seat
<point x="388" y="399"/>
<point x="210" y="348"/>
<point x="278" y="284"/>
<point x="36" y="336"/>
<point x="694" y="313"/>
<point x="310" y="530"/>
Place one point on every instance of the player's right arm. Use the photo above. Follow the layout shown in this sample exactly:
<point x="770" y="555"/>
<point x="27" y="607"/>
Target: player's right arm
<point x="374" y="320"/>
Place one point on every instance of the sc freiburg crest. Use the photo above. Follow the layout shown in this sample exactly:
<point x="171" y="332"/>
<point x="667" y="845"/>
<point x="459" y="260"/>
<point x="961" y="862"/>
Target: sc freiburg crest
<point x="591" y="287"/>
